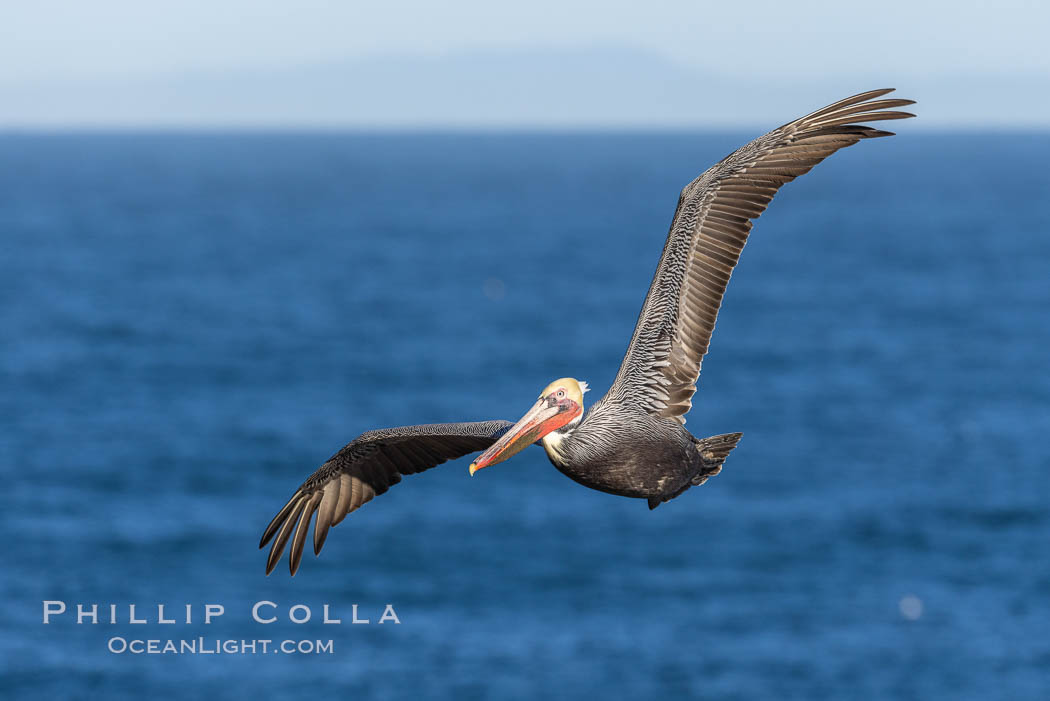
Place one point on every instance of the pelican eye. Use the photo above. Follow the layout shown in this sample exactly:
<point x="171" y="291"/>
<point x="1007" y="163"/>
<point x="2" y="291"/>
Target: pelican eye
<point x="561" y="393"/>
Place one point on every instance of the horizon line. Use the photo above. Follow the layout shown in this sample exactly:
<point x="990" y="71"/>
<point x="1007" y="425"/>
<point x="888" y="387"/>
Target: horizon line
<point x="451" y="128"/>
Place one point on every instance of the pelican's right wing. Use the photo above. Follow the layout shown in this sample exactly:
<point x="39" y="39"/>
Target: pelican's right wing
<point x="708" y="232"/>
<point x="365" y="467"/>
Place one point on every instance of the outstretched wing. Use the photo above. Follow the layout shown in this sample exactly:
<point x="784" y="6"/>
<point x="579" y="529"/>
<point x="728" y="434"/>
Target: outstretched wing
<point x="707" y="234"/>
<point x="365" y="467"/>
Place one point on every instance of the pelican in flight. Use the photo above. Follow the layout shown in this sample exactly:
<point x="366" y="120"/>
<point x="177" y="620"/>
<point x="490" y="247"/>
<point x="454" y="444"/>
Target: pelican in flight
<point x="633" y="441"/>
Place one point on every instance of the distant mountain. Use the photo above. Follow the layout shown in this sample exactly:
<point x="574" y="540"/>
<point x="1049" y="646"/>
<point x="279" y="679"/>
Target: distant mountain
<point x="610" y="87"/>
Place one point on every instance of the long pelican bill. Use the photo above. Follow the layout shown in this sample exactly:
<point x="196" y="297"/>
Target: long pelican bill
<point x="545" y="416"/>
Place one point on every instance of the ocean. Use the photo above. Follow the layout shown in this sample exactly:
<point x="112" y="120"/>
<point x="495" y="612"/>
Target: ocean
<point x="193" y="322"/>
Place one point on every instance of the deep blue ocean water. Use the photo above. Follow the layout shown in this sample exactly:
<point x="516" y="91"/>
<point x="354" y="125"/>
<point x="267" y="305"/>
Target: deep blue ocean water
<point x="192" y="323"/>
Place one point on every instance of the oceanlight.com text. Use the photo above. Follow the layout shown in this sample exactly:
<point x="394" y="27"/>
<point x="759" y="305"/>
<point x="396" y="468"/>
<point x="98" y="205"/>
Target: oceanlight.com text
<point x="216" y="646"/>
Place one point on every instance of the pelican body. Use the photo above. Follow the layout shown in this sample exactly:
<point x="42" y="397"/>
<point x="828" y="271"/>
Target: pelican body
<point x="633" y="441"/>
<point x="664" y="459"/>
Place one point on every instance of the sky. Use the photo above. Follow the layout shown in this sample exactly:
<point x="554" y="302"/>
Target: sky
<point x="470" y="63"/>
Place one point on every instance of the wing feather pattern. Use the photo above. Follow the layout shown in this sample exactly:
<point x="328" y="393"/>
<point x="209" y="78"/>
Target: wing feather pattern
<point x="708" y="232"/>
<point x="363" y="469"/>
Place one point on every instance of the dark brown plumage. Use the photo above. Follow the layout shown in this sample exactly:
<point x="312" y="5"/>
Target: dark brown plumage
<point x="710" y="227"/>
<point x="364" y="468"/>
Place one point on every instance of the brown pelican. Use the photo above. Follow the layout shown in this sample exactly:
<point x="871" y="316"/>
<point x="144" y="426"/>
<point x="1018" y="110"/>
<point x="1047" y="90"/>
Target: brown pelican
<point x="633" y="441"/>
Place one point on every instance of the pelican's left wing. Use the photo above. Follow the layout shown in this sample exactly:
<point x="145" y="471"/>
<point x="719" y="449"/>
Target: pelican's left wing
<point x="368" y="465"/>
<point x="707" y="234"/>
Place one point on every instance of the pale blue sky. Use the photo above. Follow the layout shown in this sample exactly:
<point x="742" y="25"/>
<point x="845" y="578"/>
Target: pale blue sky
<point x="194" y="62"/>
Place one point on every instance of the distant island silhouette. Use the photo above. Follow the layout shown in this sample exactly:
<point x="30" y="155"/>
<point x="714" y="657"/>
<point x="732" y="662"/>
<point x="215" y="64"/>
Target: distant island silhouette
<point x="605" y="86"/>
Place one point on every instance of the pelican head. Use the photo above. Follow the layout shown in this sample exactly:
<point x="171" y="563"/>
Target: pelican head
<point x="560" y="406"/>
